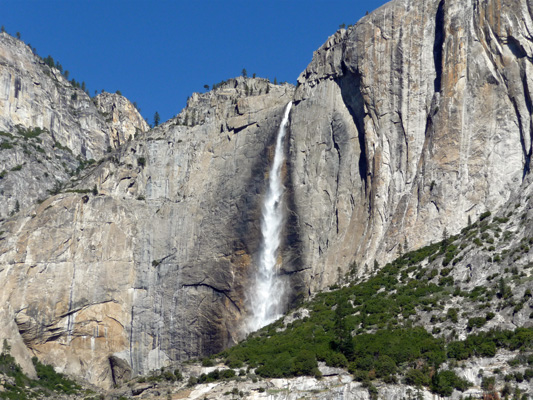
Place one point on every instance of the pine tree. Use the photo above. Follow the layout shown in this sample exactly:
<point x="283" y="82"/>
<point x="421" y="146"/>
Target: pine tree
<point x="156" y="119"/>
<point x="244" y="73"/>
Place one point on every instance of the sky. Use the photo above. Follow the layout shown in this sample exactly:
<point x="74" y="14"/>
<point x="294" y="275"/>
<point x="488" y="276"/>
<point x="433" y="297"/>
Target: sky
<point x="158" y="52"/>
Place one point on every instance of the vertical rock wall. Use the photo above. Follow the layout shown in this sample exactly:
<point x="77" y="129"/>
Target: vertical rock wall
<point x="406" y="124"/>
<point x="155" y="266"/>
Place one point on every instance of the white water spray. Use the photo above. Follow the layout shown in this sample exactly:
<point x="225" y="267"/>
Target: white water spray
<point x="267" y="292"/>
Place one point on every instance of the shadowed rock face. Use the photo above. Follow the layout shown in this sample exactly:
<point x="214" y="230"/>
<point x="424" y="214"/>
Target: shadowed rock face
<point x="406" y="124"/>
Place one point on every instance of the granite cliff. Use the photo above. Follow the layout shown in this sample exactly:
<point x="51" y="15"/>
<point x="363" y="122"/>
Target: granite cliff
<point x="149" y="250"/>
<point x="403" y="126"/>
<point x="408" y="123"/>
<point x="51" y="130"/>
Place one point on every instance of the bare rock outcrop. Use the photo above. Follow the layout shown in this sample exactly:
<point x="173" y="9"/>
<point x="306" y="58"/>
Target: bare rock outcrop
<point x="406" y="124"/>
<point x="49" y="129"/>
<point x="153" y="265"/>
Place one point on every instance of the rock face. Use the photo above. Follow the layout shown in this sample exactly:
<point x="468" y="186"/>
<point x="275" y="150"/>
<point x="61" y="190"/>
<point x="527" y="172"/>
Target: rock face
<point x="405" y="125"/>
<point x="122" y="117"/>
<point x="50" y="129"/>
<point x="155" y="266"/>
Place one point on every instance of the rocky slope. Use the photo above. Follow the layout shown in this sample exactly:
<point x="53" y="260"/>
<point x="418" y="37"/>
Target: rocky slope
<point x="403" y="127"/>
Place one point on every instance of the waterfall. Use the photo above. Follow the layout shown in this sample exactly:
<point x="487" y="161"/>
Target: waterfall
<point x="267" y="292"/>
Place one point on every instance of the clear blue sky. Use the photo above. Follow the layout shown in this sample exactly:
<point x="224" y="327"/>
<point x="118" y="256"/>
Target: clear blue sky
<point x="158" y="52"/>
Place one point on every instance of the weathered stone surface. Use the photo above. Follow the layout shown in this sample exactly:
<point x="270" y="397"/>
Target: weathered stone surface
<point x="74" y="129"/>
<point x="155" y="266"/>
<point x="122" y="117"/>
<point x="407" y="123"/>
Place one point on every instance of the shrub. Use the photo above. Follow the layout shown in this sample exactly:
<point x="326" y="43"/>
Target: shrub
<point x="207" y="362"/>
<point x="416" y="377"/>
<point x="444" y="382"/>
<point x="227" y="374"/>
<point x="305" y="364"/>
<point x="452" y="315"/>
<point x="459" y="350"/>
<point x="52" y="380"/>
<point x="487" y="383"/>
<point x="476" y="322"/>
<point x="487" y="349"/>
<point x="485" y="215"/>
<point x="168" y="376"/>
<point x="334" y="359"/>
<point x="178" y="375"/>
<point x="141" y="162"/>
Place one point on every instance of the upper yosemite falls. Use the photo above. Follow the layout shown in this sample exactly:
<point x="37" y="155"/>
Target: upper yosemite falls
<point x="124" y="249"/>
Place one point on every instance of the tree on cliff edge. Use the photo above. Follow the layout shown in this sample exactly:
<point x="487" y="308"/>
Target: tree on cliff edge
<point x="156" y="118"/>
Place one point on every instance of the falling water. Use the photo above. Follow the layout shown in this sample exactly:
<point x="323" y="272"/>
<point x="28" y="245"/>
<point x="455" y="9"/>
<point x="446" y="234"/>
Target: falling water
<point x="267" y="291"/>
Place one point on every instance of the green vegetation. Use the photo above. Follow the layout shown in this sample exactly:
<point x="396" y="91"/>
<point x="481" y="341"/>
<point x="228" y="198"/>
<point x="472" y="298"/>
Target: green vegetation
<point x="6" y="134"/>
<point x="59" y="146"/>
<point x="80" y="191"/>
<point x="18" y="386"/>
<point x="52" y="380"/>
<point x="162" y="375"/>
<point x="370" y="327"/>
<point x="30" y="133"/>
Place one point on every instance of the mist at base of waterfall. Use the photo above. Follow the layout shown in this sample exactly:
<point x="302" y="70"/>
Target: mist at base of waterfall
<point x="267" y="292"/>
